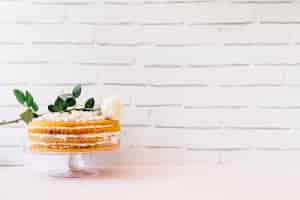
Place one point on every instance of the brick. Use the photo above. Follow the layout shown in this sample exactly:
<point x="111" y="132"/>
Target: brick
<point x="64" y="2"/>
<point x="188" y="138"/>
<point x="219" y="14"/>
<point x="135" y="117"/>
<point x="295" y="34"/>
<point x="165" y="14"/>
<point x="218" y="140"/>
<point x="160" y="77"/>
<point x="203" y="14"/>
<point x="154" y="137"/>
<point x="261" y="119"/>
<point x="45" y="73"/>
<point x="12" y="136"/>
<point x="46" y="33"/>
<point x="219" y="97"/>
<point x="277" y="157"/>
<point x="166" y="57"/>
<point x="142" y="2"/>
<point x="260" y="139"/>
<point x="16" y="156"/>
<point x="61" y="33"/>
<point x="291" y="77"/>
<point x="120" y="36"/>
<point x="267" y="97"/>
<point x="65" y="53"/>
<point x="122" y="75"/>
<point x="206" y="56"/>
<point x="257" y="35"/>
<point x="237" y="76"/>
<point x="278" y="13"/>
<point x="14" y="33"/>
<point x="274" y="55"/>
<point x="100" y="14"/>
<point x="218" y="76"/>
<point x="286" y="97"/>
<point x="180" y="36"/>
<point x="261" y="1"/>
<point x="159" y="97"/>
<point x="186" y="118"/>
<point x="27" y="13"/>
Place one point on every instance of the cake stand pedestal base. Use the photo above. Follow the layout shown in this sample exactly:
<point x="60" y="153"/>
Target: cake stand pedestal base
<point x="75" y="169"/>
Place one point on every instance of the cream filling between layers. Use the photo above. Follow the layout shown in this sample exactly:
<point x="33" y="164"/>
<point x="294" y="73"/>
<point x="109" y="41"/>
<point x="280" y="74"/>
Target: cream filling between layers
<point x="113" y="140"/>
<point x="75" y="127"/>
<point x="73" y="116"/>
<point x="65" y="136"/>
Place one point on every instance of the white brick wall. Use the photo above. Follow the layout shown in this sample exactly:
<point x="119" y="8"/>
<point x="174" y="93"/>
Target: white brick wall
<point x="201" y="79"/>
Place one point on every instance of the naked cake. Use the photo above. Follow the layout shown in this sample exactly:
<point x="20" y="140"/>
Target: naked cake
<point x="77" y="131"/>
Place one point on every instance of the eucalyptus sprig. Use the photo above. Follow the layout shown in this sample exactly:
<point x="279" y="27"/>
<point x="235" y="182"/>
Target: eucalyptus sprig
<point x="27" y="100"/>
<point x="67" y="102"/>
<point x="64" y="103"/>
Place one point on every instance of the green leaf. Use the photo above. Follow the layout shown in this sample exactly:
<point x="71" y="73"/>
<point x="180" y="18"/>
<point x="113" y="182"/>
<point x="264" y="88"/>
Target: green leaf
<point x="29" y="99"/>
<point x="52" y="108"/>
<point x="20" y="96"/>
<point x="90" y="103"/>
<point x="66" y="96"/>
<point x="35" y="115"/>
<point x="59" y="104"/>
<point x="27" y="116"/>
<point x="76" y="91"/>
<point x="35" y="107"/>
<point x="71" y="102"/>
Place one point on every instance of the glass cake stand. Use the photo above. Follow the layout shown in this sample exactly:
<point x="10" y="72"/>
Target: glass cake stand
<point x="63" y="165"/>
<point x="73" y="165"/>
<point x="76" y="168"/>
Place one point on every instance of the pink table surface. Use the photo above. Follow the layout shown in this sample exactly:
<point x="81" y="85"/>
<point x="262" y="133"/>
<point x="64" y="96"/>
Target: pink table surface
<point x="232" y="181"/>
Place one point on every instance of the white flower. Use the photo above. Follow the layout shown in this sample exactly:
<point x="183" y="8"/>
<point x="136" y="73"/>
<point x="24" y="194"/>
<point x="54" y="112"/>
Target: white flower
<point x="111" y="108"/>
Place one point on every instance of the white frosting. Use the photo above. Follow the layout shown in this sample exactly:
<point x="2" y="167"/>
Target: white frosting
<point x="114" y="140"/>
<point x="64" y="136"/>
<point x="72" y="116"/>
<point x="70" y="128"/>
<point x="112" y="108"/>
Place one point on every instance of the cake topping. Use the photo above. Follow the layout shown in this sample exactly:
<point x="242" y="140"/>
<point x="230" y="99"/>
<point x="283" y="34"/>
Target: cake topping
<point x="111" y="108"/>
<point x="72" y="116"/>
<point x="66" y="108"/>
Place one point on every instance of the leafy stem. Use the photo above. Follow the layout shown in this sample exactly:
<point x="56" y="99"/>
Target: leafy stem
<point x="83" y="109"/>
<point x="67" y="102"/>
<point x="10" y="122"/>
<point x="63" y="103"/>
<point x="26" y="100"/>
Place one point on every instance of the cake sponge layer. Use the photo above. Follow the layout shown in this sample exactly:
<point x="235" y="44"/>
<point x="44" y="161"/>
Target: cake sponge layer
<point x="72" y="149"/>
<point x="72" y="123"/>
<point x="73" y="136"/>
<point x="81" y="130"/>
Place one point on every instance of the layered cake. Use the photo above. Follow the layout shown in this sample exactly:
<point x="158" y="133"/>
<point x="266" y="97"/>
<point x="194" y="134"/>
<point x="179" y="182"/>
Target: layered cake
<point x="76" y="131"/>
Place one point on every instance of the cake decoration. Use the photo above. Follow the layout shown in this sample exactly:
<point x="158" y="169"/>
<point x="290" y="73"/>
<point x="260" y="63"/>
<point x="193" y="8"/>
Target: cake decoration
<point x="69" y="127"/>
<point x="111" y="108"/>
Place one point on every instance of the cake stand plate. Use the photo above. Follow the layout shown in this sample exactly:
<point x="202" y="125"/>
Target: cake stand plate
<point x="74" y="168"/>
<point x="72" y="174"/>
